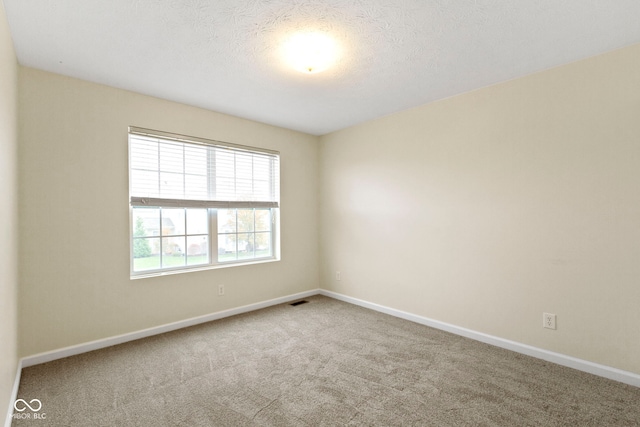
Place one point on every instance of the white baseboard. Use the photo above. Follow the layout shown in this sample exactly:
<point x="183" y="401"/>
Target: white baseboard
<point x="557" y="358"/>
<point x="119" y="339"/>
<point x="14" y="394"/>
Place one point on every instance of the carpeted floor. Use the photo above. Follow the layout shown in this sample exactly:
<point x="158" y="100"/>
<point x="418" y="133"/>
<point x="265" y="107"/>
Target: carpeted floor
<point x="324" y="363"/>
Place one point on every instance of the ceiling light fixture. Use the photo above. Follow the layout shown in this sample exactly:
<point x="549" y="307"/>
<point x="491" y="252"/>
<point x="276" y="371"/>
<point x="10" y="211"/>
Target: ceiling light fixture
<point x="310" y="52"/>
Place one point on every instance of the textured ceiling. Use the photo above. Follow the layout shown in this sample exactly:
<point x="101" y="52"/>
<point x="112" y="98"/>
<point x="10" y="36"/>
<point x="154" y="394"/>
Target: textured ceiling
<point x="396" y="54"/>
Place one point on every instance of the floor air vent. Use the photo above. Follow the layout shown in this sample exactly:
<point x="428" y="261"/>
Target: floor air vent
<point x="298" y="303"/>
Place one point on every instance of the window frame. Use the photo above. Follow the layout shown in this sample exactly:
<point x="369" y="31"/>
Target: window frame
<point x="137" y="202"/>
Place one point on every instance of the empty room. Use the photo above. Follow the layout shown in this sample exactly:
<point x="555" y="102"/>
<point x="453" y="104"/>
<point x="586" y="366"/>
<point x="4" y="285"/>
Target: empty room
<point x="319" y="212"/>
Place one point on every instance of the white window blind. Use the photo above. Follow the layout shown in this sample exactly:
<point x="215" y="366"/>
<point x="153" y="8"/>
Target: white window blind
<point x="172" y="170"/>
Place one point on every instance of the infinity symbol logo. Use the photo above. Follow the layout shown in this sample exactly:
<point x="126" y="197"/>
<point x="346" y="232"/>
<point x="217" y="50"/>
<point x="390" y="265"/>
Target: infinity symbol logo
<point x="26" y="405"/>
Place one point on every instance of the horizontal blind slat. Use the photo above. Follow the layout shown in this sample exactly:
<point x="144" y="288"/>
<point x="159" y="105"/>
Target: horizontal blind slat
<point x="185" y="203"/>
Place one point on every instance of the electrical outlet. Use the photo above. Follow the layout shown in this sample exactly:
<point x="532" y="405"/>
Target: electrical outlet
<point x="549" y="320"/>
<point x="338" y="276"/>
<point x="220" y="290"/>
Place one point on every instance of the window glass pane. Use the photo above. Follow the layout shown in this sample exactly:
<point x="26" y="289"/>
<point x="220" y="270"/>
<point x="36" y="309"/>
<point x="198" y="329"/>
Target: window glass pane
<point x="261" y="168"/>
<point x="263" y="219"/>
<point x="245" y="245"/>
<point x="144" y="154"/>
<point x="226" y="220"/>
<point x="245" y="220"/>
<point x="173" y="253"/>
<point x="244" y="189"/>
<point x="262" y="190"/>
<point x="145" y="183"/>
<point x="196" y="187"/>
<point x="263" y="245"/>
<point x="171" y="185"/>
<point x="226" y="247"/>
<point x="225" y="164"/>
<point x="146" y="222"/>
<point x="197" y="250"/>
<point x="195" y="160"/>
<point x="146" y="254"/>
<point x="172" y="221"/>
<point x="225" y="189"/>
<point x="197" y="221"/>
<point x="171" y="157"/>
<point x="244" y="166"/>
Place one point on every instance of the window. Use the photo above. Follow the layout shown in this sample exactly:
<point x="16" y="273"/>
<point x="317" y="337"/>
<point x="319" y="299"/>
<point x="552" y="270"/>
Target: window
<point x="197" y="203"/>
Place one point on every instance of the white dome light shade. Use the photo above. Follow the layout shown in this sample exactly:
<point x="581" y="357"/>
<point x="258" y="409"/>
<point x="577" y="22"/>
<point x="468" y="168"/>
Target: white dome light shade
<point x="310" y="52"/>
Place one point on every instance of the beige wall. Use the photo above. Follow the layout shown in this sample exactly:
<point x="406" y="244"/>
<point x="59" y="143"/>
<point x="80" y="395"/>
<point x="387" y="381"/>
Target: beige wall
<point x="486" y="209"/>
<point x="8" y="208"/>
<point x="74" y="215"/>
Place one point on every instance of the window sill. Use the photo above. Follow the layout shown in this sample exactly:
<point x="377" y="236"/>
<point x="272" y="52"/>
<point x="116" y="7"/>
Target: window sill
<point x="143" y="275"/>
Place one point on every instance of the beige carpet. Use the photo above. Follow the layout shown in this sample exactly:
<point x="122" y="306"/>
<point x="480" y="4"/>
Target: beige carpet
<point x="324" y="363"/>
